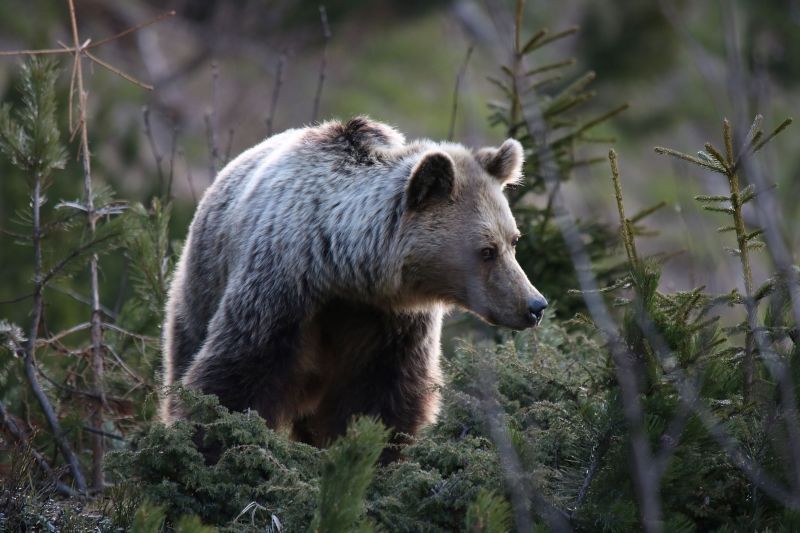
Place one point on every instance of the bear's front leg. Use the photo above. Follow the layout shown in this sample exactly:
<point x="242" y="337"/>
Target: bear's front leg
<point x="249" y="351"/>
<point x="381" y="363"/>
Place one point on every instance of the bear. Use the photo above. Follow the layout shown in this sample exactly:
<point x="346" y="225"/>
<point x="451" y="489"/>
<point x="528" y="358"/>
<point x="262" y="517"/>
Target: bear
<point x="318" y="268"/>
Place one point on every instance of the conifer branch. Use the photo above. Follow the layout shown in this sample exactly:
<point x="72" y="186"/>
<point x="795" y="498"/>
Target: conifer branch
<point x="624" y="223"/>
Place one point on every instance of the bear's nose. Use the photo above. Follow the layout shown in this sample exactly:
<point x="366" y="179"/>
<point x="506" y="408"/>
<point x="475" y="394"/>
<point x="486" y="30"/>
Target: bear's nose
<point x="536" y="307"/>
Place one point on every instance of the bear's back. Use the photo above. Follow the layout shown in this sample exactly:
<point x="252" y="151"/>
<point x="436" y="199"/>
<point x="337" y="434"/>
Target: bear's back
<point x="319" y="189"/>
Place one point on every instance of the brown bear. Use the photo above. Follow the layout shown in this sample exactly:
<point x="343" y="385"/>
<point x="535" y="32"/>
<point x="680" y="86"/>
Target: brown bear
<point x="318" y="267"/>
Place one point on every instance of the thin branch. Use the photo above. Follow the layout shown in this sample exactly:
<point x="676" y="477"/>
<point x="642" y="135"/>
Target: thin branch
<point x="132" y="29"/>
<point x="228" y="147"/>
<point x="17" y="299"/>
<point x="102" y="433"/>
<point x="189" y="177"/>
<point x="459" y="80"/>
<point x="143" y="338"/>
<point x="276" y="90"/>
<point x="58" y="267"/>
<point x="172" y="152"/>
<point x="598" y="453"/>
<point x="67" y="388"/>
<point x="323" y="65"/>
<point x="42" y="52"/>
<point x="83" y="299"/>
<point x="61" y="334"/>
<point x="210" y="119"/>
<point x="116" y="71"/>
<point x="126" y="368"/>
<point x="78" y="51"/>
<point x="148" y="132"/>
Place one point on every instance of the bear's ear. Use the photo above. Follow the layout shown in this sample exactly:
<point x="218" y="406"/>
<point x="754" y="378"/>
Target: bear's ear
<point x="431" y="180"/>
<point x="504" y="163"/>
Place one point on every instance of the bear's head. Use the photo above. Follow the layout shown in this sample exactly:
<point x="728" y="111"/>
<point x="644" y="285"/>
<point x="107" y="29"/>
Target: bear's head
<point x="463" y="234"/>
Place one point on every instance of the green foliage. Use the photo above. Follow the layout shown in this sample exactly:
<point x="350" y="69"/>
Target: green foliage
<point x="31" y="140"/>
<point x="255" y="464"/>
<point x="346" y="475"/>
<point x="699" y="374"/>
<point x="192" y="524"/>
<point x="150" y="257"/>
<point x="489" y="514"/>
<point x="260" y="475"/>
<point x="148" y="519"/>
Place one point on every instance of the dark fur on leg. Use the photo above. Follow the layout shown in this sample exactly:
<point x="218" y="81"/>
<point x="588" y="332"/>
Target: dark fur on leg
<point x="378" y="366"/>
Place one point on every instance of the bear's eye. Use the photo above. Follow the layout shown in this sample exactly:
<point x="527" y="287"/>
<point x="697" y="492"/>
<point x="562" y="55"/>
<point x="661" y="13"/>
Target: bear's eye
<point x="488" y="254"/>
<point x="514" y="241"/>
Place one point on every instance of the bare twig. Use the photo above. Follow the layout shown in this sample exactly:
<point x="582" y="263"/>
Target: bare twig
<point x="228" y="147"/>
<point x="276" y="90"/>
<point x="148" y="132"/>
<point x="102" y="433"/>
<point x="116" y="71"/>
<point x="61" y="334"/>
<point x="768" y="213"/>
<point x="143" y="338"/>
<point x="704" y="62"/>
<point x="58" y="267"/>
<point x="210" y="119"/>
<point x="17" y="299"/>
<point x="67" y="388"/>
<point x="126" y="368"/>
<point x="323" y="65"/>
<point x="189" y="177"/>
<point x="598" y="453"/>
<point x="133" y="29"/>
<point x="462" y="71"/>
<point x="172" y="151"/>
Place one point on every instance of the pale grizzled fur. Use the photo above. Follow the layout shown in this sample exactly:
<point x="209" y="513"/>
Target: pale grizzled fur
<point x="313" y="282"/>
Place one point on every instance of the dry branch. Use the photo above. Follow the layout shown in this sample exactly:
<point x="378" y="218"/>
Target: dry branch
<point x="276" y="90"/>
